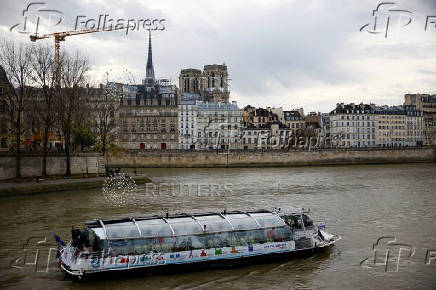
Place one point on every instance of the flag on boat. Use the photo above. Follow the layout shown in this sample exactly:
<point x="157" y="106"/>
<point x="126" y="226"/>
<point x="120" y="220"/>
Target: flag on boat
<point x="321" y="226"/>
<point x="60" y="244"/>
<point x="59" y="240"/>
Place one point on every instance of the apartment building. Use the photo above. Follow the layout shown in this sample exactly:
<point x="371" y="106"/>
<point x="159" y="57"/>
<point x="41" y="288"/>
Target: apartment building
<point x="425" y="103"/>
<point x="354" y="125"/>
<point x="219" y="125"/>
<point x="188" y="121"/>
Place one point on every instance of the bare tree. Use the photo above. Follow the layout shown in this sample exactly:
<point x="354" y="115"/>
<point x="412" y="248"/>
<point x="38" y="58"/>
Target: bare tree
<point x="44" y="76"/>
<point x="15" y="58"/>
<point x="105" y="107"/>
<point x="71" y="103"/>
<point x="116" y="83"/>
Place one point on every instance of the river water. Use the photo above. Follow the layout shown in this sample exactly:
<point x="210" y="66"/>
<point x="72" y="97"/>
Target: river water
<point x="360" y="203"/>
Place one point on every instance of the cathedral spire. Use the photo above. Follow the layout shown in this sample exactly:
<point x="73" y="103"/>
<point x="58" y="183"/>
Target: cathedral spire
<point x="149" y="69"/>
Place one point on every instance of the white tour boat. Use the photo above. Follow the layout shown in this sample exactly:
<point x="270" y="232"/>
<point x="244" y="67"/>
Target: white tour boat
<point x="185" y="241"/>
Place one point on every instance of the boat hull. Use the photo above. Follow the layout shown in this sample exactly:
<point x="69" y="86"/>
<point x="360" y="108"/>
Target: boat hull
<point x="165" y="269"/>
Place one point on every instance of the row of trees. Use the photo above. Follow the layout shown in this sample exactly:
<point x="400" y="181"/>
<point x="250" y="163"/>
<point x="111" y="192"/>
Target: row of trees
<point x="35" y="100"/>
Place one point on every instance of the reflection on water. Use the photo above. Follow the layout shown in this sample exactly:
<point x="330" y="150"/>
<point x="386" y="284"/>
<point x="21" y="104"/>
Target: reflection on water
<point x="361" y="203"/>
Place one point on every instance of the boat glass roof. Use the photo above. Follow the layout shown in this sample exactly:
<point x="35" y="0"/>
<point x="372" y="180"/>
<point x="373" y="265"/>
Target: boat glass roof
<point x="185" y="225"/>
<point x="215" y="223"/>
<point x="122" y="230"/>
<point x="242" y="221"/>
<point x="268" y="220"/>
<point x="154" y="228"/>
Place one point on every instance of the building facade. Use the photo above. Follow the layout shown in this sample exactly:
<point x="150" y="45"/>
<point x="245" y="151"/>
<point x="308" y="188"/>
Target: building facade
<point x="294" y="121"/>
<point x="149" y="112"/>
<point x="325" y="138"/>
<point x="398" y="126"/>
<point x="259" y="117"/>
<point x="219" y="125"/>
<point x="272" y="136"/>
<point x="5" y="136"/>
<point x="427" y="104"/>
<point x="149" y="121"/>
<point x="353" y="125"/>
<point x="376" y="126"/>
<point x="414" y="126"/>
<point x="188" y="121"/>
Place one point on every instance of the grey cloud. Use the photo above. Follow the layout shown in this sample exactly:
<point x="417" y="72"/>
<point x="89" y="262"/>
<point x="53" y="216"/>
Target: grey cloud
<point x="294" y="44"/>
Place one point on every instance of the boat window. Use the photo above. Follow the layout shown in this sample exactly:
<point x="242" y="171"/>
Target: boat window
<point x="185" y="226"/>
<point x="258" y="236"/>
<point x="242" y="238"/>
<point x="283" y="234"/>
<point x="307" y="221"/>
<point x="154" y="228"/>
<point x="99" y="232"/>
<point x="261" y="236"/>
<point x="95" y="241"/>
<point x="242" y="222"/>
<point x="214" y="223"/>
<point x="268" y="220"/>
<point x="118" y="247"/>
<point x="91" y="237"/>
<point x="143" y="246"/>
<point x="122" y="230"/>
<point x="188" y="243"/>
<point x="219" y="240"/>
<point x="296" y="222"/>
<point x="162" y="245"/>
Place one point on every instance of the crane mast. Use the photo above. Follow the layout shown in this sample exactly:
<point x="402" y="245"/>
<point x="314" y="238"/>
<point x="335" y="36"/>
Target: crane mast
<point x="60" y="36"/>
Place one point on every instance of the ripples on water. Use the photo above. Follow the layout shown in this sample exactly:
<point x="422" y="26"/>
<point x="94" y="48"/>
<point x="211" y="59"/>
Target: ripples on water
<point x="361" y="203"/>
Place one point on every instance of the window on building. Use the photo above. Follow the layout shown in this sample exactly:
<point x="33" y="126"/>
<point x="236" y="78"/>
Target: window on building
<point x="2" y="106"/>
<point x="3" y="127"/>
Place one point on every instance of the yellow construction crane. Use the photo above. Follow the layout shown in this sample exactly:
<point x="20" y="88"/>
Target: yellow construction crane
<point x="60" y="36"/>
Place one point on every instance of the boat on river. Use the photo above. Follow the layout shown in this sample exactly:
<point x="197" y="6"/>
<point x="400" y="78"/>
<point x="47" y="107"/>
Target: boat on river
<point x="192" y="241"/>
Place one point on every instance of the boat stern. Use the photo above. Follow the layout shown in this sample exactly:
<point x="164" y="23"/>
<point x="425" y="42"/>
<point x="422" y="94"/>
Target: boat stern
<point x="69" y="261"/>
<point x="325" y="239"/>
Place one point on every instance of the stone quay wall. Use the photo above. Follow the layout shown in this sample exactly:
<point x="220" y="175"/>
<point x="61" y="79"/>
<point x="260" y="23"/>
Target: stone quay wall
<point x="31" y="164"/>
<point x="272" y="158"/>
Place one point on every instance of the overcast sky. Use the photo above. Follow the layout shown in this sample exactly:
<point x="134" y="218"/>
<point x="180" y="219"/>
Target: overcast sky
<point x="287" y="54"/>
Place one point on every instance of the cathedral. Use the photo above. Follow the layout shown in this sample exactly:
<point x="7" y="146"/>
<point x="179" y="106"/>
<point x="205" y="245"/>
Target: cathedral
<point x="211" y="84"/>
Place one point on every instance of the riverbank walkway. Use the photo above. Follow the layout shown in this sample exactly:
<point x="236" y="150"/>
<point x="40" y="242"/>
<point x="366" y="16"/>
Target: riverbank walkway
<point x="56" y="185"/>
